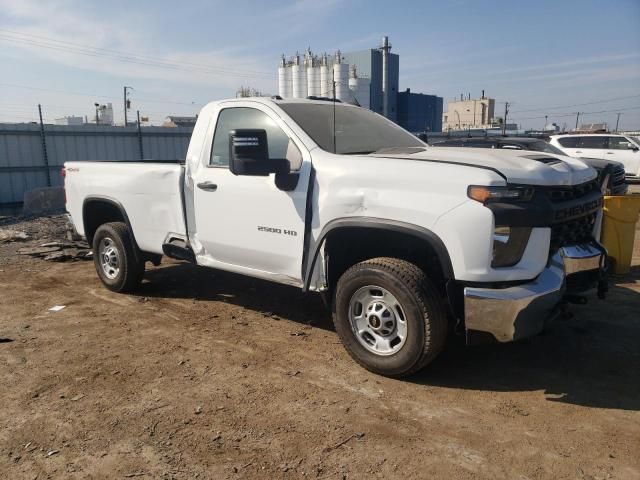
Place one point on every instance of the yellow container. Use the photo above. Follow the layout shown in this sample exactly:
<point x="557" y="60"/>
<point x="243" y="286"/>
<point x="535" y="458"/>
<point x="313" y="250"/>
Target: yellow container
<point x="619" y="229"/>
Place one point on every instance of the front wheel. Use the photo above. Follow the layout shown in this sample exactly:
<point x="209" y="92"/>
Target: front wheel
<point x="118" y="261"/>
<point x="389" y="316"/>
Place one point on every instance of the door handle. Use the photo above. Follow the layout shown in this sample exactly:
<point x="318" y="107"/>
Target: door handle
<point x="609" y="153"/>
<point x="578" y="151"/>
<point x="208" y="186"/>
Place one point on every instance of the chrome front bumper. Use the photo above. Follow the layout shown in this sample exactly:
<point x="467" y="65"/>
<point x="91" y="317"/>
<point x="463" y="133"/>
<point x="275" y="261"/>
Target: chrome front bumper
<point x="522" y="311"/>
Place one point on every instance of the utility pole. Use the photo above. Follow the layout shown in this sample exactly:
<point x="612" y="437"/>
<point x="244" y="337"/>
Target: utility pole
<point x="44" y="147"/>
<point x="618" y="121"/>
<point x="140" y="136"/>
<point x="127" y="104"/>
<point x="577" y="117"/>
<point x="504" y="121"/>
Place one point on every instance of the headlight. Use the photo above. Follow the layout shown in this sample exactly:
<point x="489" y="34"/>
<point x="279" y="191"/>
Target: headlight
<point x="508" y="245"/>
<point x="484" y="194"/>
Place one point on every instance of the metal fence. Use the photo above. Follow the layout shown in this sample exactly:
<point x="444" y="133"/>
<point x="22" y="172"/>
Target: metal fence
<point x="31" y="157"/>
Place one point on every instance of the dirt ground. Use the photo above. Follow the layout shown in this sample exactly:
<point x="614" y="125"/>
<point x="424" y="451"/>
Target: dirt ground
<point x="205" y="374"/>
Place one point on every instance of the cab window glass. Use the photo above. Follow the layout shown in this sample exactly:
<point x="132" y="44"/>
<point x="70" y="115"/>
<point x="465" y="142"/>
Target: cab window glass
<point x="592" y="142"/>
<point x="569" y="142"/>
<point x="280" y="145"/>
<point x="619" y="143"/>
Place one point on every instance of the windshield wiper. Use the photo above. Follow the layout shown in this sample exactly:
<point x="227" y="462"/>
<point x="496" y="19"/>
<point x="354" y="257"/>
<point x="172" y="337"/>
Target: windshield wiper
<point x="364" y="152"/>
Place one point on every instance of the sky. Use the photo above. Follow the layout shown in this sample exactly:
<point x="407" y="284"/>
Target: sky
<point x="551" y="58"/>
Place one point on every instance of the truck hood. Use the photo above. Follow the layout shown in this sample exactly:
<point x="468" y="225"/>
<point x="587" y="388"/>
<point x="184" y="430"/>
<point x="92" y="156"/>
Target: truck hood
<point x="518" y="166"/>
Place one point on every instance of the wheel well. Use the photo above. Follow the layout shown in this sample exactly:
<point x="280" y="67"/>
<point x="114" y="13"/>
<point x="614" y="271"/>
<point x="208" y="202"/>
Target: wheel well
<point x="98" y="212"/>
<point x="347" y="246"/>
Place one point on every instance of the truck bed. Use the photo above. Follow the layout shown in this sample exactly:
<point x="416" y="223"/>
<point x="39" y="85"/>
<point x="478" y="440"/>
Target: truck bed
<point x="150" y="193"/>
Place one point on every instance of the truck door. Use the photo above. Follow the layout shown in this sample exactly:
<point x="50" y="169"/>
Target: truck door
<point x="624" y="151"/>
<point x="246" y="223"/>
<point x="591" y="146"/>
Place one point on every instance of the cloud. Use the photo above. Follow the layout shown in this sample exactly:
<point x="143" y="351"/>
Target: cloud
<point x="60" y="32"/>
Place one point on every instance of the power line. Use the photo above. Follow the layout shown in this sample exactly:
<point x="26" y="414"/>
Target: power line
<point x="68" y="47"/>
<point x="559" y="115"/>
<point x="129" y="54"/>
<point x="93" y="95"/>
<point x="578" y="104"/>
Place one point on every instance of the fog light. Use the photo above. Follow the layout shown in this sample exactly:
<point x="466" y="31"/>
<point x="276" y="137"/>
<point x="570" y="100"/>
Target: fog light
<point x="509" y="244"/>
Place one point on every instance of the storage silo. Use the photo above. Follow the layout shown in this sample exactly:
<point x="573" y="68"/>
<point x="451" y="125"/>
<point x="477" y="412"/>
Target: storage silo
<point x="313" y="75"/>
<point x="359" y="88"/>
<point x="299" y="78"/>
<point x="341" y="78"/>
<point x="325" y="78"/>
<point x="284" y="79"/>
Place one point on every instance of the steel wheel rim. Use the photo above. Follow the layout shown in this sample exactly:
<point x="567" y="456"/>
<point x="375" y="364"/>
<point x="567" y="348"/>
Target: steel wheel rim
<point x="377" y="320"/>
<point x="109" y="256"/>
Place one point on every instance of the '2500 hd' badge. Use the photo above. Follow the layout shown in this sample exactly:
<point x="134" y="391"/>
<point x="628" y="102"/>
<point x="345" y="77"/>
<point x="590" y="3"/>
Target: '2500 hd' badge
<point x="279" y="231"/>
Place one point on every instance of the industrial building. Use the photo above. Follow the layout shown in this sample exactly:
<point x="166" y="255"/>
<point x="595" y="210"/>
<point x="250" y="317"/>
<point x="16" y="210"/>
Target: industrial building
<point x="368" y="78"/>
<point x="70" y="120"/>
<point x="469" y="113"/>
<point x="383" y="70"/>
<point x="418" y="112"/>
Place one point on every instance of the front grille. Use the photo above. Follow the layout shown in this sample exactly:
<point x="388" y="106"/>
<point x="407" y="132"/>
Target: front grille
<point x="574" y="231"/>
<point x="563" y="194"/>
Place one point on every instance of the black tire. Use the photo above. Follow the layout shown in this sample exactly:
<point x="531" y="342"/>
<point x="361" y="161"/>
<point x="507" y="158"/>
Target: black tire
<point x="422" y="306"/>
<point x="130" y="260"/>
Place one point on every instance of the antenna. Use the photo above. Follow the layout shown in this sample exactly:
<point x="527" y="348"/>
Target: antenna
<point x="334" y="115"/>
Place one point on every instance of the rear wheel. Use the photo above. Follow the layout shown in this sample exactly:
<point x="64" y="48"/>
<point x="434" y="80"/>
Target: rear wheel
<point x="389" y="316"/>
<point x="118" y="261"/>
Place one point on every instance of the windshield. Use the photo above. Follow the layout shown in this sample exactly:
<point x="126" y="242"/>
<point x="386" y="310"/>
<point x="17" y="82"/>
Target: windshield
<point x="542" y="146"/>
<point x="357" y="130"/>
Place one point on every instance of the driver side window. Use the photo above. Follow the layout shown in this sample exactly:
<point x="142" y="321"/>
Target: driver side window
<point x="280" y="145"/>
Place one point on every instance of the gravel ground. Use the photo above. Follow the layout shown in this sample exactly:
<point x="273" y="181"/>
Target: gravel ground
<point x="205" y="374"/>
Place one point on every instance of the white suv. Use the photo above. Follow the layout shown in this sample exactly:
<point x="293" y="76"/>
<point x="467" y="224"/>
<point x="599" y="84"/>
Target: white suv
<point x="621" y="148"/>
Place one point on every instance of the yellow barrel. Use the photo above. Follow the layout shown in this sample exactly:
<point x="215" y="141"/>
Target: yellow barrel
<point x="619" y="229"/>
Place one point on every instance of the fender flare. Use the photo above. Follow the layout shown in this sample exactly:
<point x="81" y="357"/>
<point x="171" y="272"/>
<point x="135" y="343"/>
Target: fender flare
<point x="381" y="224"/>
<point x="114" y="203"/>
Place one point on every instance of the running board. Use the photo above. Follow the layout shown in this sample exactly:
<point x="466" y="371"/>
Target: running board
<point x="179" y="250"/>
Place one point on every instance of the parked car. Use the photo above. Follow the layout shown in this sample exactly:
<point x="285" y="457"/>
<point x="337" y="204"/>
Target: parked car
<point x="606" y="146"/>
<point x="407" y="242"/>
<point x="616" y="185"/>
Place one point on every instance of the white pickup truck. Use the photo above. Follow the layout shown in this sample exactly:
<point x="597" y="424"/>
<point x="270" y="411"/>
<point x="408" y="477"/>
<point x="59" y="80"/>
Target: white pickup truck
<point x="408" y="242"/>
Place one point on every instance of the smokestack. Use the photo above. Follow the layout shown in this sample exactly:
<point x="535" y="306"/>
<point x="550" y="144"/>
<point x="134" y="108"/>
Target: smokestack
<point x="385" y="47"/>
<point x="483" y="94"/>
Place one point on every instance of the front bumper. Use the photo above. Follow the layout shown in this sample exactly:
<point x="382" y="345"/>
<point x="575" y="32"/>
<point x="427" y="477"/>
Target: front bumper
<point x="522" y="311"/>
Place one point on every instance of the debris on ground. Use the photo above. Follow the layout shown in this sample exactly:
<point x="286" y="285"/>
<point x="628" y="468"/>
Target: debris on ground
<point x="51" y="238"/>
<point x="8" y="235"/>
<point x="57" y="308"/>
<point x="59" y="251"/>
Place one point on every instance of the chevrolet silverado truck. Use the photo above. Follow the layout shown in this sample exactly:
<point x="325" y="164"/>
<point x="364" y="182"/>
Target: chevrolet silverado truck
<point x="408" y="243"/>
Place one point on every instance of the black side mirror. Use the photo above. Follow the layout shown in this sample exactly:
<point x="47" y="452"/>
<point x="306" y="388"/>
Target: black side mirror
<point x="249" y="154"/>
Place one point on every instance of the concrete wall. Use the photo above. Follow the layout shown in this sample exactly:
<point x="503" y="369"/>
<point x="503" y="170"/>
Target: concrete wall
<point x="22" y="163"/>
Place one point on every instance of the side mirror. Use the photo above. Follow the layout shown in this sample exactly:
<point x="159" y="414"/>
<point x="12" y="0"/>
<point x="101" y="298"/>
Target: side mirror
<point x="249" y="154"/>
<point x="633" y="147"/>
